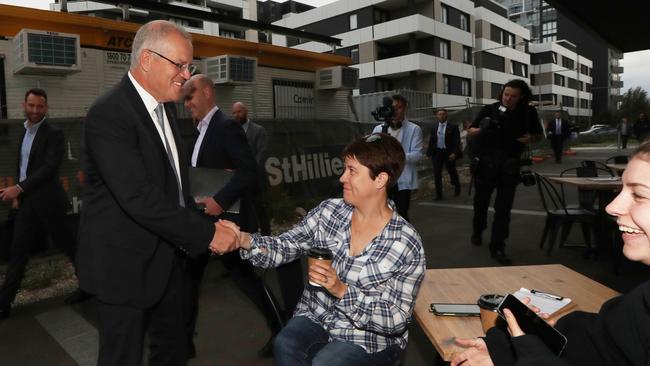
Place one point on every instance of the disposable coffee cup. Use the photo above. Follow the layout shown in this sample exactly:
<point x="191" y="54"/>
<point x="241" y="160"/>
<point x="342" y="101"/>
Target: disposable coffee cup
<point x="322" y="255"/>
<point x="488" y="305"/>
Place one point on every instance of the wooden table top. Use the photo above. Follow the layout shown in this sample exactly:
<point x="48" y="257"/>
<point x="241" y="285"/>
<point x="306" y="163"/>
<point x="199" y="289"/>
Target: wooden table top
<point x="617" y="167"/>
<point x="593" y="183"/>
<point x="465" y="285"/>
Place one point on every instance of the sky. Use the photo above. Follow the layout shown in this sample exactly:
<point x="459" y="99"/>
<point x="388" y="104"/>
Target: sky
<point x="636" y="72"/>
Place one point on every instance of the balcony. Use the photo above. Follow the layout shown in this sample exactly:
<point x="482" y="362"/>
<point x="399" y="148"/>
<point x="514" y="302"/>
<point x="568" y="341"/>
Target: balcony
<point x="616" y="69"/>
<point x="617" y="83"/>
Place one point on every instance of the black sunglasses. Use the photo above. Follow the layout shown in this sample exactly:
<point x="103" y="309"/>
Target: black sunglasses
<point x="372" y="137"/>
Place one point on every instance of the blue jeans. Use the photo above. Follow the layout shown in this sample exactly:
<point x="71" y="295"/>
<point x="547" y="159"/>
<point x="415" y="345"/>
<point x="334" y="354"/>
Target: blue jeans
<point x="303" y="342"/>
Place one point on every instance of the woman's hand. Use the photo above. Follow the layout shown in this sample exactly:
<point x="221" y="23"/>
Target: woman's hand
<point x="327" y="277"/>
<point x="475" y="353"/>
<point x="513" y="326"/>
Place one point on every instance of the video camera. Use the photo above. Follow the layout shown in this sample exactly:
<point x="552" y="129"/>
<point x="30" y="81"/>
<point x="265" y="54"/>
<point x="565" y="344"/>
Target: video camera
<point x="488" y="123"/>
<point x="385" y="112"/>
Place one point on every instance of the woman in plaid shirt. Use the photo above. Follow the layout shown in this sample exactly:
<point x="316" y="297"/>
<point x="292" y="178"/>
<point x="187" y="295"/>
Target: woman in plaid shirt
<point x="360" y="315"/>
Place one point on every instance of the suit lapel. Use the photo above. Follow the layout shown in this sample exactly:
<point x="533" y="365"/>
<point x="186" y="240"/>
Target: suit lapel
<point x="180" y="150"/>
<point x="216" y="118"/>
<point x="20" y="152"/>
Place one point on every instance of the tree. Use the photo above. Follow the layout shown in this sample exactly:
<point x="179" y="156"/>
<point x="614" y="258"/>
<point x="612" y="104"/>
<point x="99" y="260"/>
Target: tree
<point x="634" y="102"/>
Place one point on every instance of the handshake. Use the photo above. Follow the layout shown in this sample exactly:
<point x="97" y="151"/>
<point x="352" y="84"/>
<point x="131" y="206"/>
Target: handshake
<point x="227" y="237"/>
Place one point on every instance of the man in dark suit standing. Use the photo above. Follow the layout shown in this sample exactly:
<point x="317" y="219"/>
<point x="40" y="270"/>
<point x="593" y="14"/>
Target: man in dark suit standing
<point x="38" y="199"/>
<point x="558" y="131"/>
<point x="137" y="224"/>
<point x="444" y="148"/>
<point x="222" y="144"/>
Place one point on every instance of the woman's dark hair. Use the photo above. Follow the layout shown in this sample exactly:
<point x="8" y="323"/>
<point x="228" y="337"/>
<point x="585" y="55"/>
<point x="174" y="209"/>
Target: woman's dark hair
<point x="380" y="153"/>
<point x="526" y="93"/>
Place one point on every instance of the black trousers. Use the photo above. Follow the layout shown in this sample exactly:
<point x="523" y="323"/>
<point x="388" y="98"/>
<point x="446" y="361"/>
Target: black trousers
<point x="558" y="147"/>
<point x="502" y="175"/>
<point x="402" y="199"/>
<point x="122" y="328"/>
<point x="243" y="275"/>
<point x="441" y="158"/>
<point x="624" y="139"/>
<point x="31" y="227"/>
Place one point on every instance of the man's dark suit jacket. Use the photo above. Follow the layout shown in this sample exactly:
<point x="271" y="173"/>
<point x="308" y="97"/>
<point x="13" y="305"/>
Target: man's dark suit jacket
<point x="224" y="146"/>
<point x="566" y="130"/>
<point x="452" y="140"/>
<point x="131" y="223"/>
<point x="42" y="188"/>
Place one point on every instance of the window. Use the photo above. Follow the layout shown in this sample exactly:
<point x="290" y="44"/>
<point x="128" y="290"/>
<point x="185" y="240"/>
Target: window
<point x="559" y="80"/>
<point x="568" y="63"/>
<point x="533" y="80"/>
<point x="467" y="55"/>
<point x="381" y="16"/>
<point x="445" y="14"/>
<point x="549" y="28"/>
<point x="444" y="49"/>
<point x="547" y="39"/>
<point x="445" y="84"/>
<point x="464" y="87"/>
<point x="554" y="55"/>
<point x="353" y="21"/>
<point x="567" y="101"/>
<point x="354" y="55"/>
<point x="464" y="22"/>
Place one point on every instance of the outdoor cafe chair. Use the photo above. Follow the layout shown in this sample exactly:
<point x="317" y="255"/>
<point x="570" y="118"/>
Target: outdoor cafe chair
<point x="601" y="168"/>
<point x="618" y="159"/>
<point x="558" y="215"/>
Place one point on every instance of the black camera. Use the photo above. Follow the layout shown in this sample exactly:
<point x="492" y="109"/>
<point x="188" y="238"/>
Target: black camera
<point x="385" y="112"/>
<point x="488" y="123"/>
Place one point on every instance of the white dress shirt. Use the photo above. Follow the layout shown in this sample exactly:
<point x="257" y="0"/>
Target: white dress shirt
<point x="202" y="127"/>
<point x="151" y="103"/>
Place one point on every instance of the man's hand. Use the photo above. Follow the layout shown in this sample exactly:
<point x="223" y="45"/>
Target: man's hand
<point x="212" y="208"/>
<point x="10" y="193"/>
<point x="15" y="204"/>
<point x="224" y="241"/>
<point x="452" y="157"/>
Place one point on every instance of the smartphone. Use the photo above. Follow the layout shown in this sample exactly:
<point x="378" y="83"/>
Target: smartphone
<point x="455" y="309"/>
<point x="531" y="323"/>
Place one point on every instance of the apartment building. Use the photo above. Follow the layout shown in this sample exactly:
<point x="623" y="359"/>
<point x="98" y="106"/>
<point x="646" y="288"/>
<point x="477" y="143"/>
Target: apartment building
<point x="417" y="44"/>
<point x="562" y="79"/>
<point x="500" y="50"/>
<point x="243" y="9"/>
<point x="548" y="25"/>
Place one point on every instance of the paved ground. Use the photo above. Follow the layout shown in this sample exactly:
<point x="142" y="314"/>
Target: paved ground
<point x="230" y="330"/>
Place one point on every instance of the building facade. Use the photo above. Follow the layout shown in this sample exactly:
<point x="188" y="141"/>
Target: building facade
<point x="548" y="25"/>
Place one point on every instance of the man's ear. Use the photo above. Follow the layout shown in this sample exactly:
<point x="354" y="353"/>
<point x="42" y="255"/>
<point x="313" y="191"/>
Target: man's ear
<point x="145" y="60"/>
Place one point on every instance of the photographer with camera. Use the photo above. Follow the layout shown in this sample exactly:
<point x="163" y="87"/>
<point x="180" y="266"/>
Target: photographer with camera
<point x="502" y="130"/>
<point x="392" y="114"/>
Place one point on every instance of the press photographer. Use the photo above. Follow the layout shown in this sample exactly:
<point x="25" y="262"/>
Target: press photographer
<point x="502" y="131"/>
<point x="392" y="113"/>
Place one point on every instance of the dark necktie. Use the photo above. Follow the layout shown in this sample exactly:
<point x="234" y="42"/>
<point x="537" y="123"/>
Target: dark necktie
<point x="161" y="121"/>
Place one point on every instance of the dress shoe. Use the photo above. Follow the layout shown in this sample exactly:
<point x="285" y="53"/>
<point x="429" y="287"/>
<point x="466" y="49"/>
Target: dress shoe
<point x="267" y="350"/>
<point x="78" y="296"/>
<point x="501" y="257"/>
<point x="477" y="239"/>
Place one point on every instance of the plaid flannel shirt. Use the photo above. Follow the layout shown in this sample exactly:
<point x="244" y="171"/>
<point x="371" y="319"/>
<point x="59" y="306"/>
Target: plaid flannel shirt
<point x="383" y="281"/>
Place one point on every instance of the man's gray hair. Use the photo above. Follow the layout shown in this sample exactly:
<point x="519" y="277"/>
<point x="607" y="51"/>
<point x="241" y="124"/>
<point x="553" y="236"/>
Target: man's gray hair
<point x="152" y="35"/>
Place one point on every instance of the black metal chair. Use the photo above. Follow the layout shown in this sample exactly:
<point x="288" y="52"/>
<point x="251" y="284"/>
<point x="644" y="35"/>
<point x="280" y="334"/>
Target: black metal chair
<point x="601" y="168"/>
<point x="618" y="159"/>
<point x="558" y="215"/>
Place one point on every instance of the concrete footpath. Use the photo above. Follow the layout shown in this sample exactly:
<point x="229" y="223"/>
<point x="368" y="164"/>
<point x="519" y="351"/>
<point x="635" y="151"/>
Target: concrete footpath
<point x="230" y="330"/>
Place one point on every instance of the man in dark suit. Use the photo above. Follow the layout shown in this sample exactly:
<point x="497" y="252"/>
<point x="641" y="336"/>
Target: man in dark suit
<point x="444" y="148"/>
<point x="222" y="144"/>
<point x="38" y="199"/>
<point x="558" y="131"/>
<point x="138" y="223"/>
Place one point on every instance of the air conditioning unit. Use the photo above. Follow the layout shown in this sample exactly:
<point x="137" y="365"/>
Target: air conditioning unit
<point x="337" y="78"/>
<point x="39" y="52"/>
<point x="231" y="69"/>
